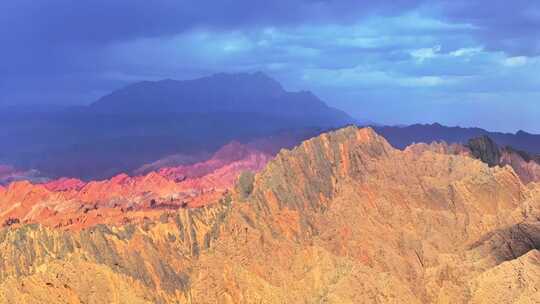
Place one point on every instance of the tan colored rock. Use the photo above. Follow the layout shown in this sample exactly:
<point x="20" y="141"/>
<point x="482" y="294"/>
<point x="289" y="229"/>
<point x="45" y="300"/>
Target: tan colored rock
<point x="342" y="218"/>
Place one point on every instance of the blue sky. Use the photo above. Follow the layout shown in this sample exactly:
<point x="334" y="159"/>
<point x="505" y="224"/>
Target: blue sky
<point x="469" y="63"/>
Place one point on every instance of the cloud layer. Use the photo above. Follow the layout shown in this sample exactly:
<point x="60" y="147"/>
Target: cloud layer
<point x="455" y="62"/>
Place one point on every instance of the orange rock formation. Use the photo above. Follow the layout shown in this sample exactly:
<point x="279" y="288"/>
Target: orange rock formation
<point x="342" y="218"/>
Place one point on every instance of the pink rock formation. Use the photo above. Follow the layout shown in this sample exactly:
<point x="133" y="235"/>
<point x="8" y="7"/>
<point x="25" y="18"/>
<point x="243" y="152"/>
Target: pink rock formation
<point x="72" y="202"/>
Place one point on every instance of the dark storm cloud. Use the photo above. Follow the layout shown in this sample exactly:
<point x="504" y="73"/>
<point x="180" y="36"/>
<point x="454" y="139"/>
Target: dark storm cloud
<point x="60" y="35"/>
<point x="46" y="41"/>
<point x="510" y="26"/>
<point x="102" y="21"/>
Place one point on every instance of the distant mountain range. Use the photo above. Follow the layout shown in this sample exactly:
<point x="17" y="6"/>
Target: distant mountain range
<point x="147" y="121"/>
<point x="154" y="120"/>
<point x="402" y="136"/>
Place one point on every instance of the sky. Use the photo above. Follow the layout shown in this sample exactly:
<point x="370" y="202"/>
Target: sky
<point x="456" y="62"/>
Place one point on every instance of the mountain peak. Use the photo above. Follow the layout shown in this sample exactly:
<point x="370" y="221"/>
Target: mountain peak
<point x="319" y="160"/>
<point x="354" y="134"/>
<point x="254" y="93"/>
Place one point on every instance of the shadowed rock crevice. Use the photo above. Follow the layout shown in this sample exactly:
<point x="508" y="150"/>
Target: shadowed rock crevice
<point x="485" y="149"/>
<point x="509" y="243"/>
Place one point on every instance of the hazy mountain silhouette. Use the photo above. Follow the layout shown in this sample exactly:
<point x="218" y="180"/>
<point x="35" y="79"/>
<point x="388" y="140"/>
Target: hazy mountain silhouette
<point x="146" y="121"/>
<point x="403" y="136"/>
<point x="224" y="93"/>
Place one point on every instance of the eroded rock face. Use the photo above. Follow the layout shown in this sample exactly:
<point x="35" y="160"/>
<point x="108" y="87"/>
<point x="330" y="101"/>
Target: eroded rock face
<point x="145" y="263"/>
<point x="525" y="165"/>
<point x="342" y="218"/>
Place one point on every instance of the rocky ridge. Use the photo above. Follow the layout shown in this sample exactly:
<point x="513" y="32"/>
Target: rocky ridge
<point x="342" y="218"/>
<point x="526" y="166"/>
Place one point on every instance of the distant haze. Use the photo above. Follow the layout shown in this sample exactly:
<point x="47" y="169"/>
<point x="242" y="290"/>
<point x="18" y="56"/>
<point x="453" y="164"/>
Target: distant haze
<point x="151" y="120"/>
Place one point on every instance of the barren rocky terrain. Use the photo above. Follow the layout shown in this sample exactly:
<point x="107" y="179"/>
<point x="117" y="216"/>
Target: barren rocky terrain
<point x="342" y="218"/>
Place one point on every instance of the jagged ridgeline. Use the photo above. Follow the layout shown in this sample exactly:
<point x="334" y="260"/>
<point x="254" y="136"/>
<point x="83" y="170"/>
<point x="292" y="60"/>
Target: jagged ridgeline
<point x="342" y="218"/>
